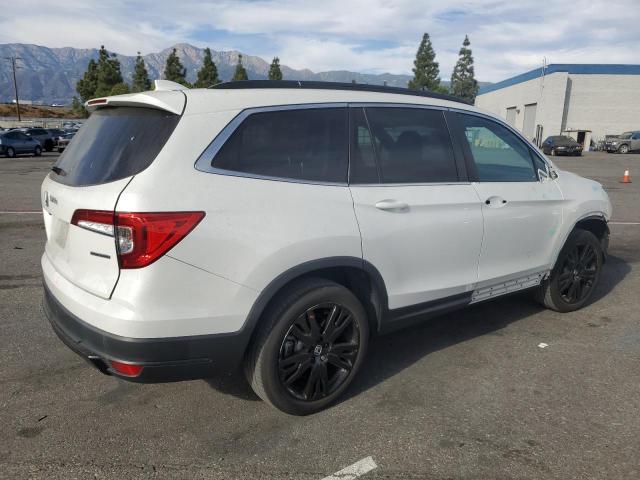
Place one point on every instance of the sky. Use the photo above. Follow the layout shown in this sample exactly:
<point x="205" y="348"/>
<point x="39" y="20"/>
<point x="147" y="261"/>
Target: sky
<point x="507" y="37"/>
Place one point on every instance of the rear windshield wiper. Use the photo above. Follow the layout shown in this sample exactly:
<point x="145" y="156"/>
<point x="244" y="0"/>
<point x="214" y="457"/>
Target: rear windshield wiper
<point x="58" y="171"/>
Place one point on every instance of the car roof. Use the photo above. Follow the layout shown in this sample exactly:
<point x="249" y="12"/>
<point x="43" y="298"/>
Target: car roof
<point x="267" y="93"/>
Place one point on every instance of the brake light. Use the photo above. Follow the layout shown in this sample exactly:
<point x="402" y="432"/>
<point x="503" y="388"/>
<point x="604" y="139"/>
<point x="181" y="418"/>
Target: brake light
<point x="141" y="238"/>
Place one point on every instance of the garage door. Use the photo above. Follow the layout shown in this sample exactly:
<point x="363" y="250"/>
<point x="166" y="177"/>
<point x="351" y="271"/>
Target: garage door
<point x="530" y="120"/>
<point x="511" y="116"/>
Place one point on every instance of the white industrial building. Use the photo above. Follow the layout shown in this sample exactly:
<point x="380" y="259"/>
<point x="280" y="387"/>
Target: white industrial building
<point x="583" y="101"/>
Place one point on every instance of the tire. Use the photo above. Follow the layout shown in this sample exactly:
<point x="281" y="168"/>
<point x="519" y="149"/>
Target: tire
<point x="37" y="151"/>
<point x="575" y="275"/>
<point x="623" y="149"/>
<point x="553" y="152"/>
<point x="290" y="364"/>
<point x="10" y="152"/>
<point x="60" y="150"/>
<point x="48" y="145"/>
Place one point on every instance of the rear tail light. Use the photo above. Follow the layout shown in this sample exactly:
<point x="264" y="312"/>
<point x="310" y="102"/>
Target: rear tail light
<point x="141" y="238"/>
<point x="126" y="369"/>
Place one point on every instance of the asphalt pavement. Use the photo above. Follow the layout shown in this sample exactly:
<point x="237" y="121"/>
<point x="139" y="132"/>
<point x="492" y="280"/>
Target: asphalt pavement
<point x="470" y="395"/>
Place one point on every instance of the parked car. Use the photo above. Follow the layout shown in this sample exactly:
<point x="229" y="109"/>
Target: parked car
<point x="281" y="225"/>
<point x="46" y="139"/>
<point x="561" y="145"/>
<point x="56" y="132"/>
<point x="625" y="143"/>
<point x="14" y="143"/>
<point x="63" y="141"/>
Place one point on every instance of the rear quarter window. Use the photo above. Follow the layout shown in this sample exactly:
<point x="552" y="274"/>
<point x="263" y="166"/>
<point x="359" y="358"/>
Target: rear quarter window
<point x="308" y="144"/>
<point x="115" y="143"/>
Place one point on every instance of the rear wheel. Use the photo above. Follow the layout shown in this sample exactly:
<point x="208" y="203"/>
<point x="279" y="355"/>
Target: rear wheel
<point x="553" y="152"/>
<point x="623" y="149"/>
<point x="575" y="275"/>
<point x="310" y="347"/>
<point x="10" y="152"/>
<point x="37" y="151"/>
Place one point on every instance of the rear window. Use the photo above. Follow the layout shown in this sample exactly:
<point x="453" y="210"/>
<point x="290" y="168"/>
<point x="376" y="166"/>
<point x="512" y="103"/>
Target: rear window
<point x="115" y="143"/>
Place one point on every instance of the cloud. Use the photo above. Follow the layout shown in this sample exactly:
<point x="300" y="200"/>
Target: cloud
<point x="507" y="36"/>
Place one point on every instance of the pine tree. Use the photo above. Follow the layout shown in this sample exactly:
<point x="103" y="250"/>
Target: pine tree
<point x="274" y="70"/>
<point x="463" y="82"/>
<point x="240" y="73"/>
<point x="174" y="70"/>
<point x="77" y="108"/>
<point x="208" y="74"/>
<point x="140" y="81"/>
<point x="87" y="85"/>
<point x="426" y="70"/>
<point x="120" y="89"/>
<point x="108" y="73"/>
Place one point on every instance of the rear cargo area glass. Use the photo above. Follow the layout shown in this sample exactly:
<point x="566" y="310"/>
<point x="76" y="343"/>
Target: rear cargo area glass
<point x="114" y="143"/>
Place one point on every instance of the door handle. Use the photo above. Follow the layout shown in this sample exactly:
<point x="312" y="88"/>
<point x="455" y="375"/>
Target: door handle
<point x="495" y="202"/>
<point x="391" y="205"/>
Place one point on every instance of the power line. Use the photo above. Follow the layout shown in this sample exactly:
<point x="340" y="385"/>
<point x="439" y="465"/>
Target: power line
<point x="15" y="82"/>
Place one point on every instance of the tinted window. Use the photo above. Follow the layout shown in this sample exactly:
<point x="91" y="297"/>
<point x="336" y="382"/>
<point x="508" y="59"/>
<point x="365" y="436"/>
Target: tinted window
<point x="115" y="143"/>
<point x="304" y="144"/>
<point x="499" y="155"/>
<point x="363" y="167"/>
<point x="412" y="145"/>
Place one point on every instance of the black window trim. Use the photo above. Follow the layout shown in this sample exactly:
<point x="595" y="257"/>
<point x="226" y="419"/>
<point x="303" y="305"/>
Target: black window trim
<point x="471" y="167"/>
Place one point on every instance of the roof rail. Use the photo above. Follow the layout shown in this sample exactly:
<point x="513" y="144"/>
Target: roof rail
<point x="313" y="85"/>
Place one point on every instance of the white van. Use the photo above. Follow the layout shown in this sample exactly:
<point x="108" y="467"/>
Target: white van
<point x="280" y="225"/>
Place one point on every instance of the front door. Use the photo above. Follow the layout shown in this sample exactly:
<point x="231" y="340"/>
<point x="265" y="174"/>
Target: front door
<point x="421" y="226"/>
<point x="522" y="212"/>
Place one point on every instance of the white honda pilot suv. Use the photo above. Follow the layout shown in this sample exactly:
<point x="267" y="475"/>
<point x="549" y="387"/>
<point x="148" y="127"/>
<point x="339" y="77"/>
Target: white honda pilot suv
<point x="281" y="225"/>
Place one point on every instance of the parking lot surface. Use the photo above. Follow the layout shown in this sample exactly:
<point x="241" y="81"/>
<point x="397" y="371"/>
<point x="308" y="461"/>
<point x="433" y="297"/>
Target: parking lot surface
<point x="468" y="395"/>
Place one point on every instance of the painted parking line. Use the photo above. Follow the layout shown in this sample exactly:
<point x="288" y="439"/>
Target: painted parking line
<point x="21" y="213"/>
<point x="624" y="223"/>
<point x="354" y="471"/>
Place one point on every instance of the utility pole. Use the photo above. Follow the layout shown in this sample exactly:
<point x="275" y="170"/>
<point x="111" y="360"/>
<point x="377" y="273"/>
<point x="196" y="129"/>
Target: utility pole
<point x="15" y="83"/>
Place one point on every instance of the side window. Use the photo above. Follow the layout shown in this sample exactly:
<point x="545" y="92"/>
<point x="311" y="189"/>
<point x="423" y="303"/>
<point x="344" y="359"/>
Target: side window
<point x="498" y="154"/>
<point x="636" y="136"/>
<point x="363" y="166"/>
<point x="301" y="144"/>
<point x="412" y="145"/>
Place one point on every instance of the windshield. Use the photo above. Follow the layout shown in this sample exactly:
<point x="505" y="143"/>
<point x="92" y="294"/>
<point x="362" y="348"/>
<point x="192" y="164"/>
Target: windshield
<point x="114" y="143"/>
<point x="626" y="135"/>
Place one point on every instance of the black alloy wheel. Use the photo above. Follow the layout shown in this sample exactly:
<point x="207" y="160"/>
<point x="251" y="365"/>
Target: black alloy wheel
<point x="311" y="342"/>
<point x="578" y="273"/>
<point x="318" y="352"/>
<point x="10" y="152"/>
<point x="575" y="276"/>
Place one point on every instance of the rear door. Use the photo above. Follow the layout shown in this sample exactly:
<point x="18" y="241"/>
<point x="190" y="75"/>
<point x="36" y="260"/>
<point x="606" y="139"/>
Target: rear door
<point x="114" y="144"/>
<point x="522" y="212"/>
<point x="419" y="218"/>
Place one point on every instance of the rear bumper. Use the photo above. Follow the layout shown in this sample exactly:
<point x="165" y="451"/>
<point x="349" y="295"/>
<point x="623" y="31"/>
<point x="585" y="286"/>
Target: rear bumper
<point x="164" y="359"/>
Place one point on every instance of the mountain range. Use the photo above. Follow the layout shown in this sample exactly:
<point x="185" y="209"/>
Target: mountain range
<point x="49" y="75"/>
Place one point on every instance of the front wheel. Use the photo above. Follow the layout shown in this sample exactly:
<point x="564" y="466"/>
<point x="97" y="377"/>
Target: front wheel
<point x="623" y="149"/>
<point x="309" y="348"/>
<point x="575" y="275"/>
<point x="553" y="152"/>
<point x="37" y="151"/>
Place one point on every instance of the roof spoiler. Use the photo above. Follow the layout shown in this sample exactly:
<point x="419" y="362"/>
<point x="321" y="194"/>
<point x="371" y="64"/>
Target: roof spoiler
<point x="167" y="98"/>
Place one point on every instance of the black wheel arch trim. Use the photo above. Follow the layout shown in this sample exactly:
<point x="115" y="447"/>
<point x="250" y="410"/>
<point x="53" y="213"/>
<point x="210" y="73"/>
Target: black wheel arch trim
<point x="597" y="217"/>
<point x="307" y="268"/>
